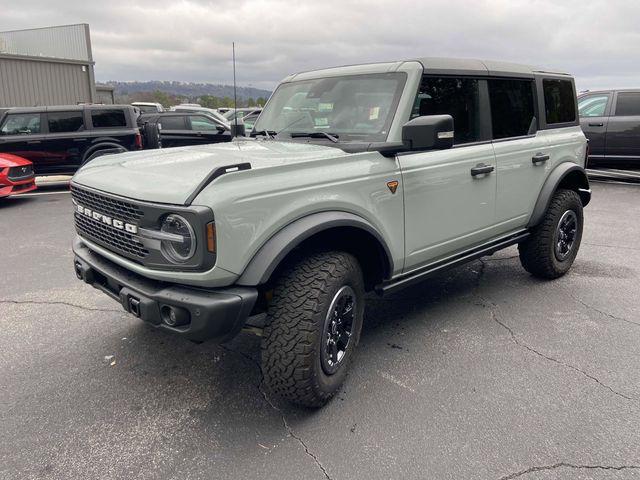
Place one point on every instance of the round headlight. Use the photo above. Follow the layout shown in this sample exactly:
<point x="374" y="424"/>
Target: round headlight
<point x="178" y="251"/>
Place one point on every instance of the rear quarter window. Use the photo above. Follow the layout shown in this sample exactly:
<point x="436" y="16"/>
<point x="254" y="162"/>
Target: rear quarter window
<point x="628" y="104"/>
<point x="559" y="101"/>
<point x="108" y="118"/>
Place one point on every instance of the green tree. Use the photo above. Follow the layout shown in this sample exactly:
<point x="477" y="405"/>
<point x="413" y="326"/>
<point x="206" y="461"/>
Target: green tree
<point x="162" y="98"/>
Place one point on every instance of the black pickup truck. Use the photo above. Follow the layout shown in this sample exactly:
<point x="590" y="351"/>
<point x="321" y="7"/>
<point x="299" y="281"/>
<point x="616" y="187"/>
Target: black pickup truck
<point x="58" y="140"/>
<point x="610" y="119"/>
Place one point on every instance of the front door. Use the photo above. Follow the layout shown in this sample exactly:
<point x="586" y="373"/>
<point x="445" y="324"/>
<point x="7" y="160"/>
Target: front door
<point x="22" y="134"/>
<point x="449" y="203"/>
<point x="207" y="130"/>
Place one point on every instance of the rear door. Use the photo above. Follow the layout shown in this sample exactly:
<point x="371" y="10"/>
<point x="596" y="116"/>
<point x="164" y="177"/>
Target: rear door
<point x="516" y="142"/>
<point x="23" y="134"/>
<point x="447" y="207"/>
<point x="174" y="131"/>
<point x="623" y="131"/>
<point x="66" y="141"/>
<point x="594" y="116"/>
<point x="207" y="130"/>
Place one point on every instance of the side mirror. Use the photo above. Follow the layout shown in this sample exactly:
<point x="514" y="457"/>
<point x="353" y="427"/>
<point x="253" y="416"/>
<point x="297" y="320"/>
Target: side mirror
<point x="430" y="132"/>
<point x="237" y="130"/>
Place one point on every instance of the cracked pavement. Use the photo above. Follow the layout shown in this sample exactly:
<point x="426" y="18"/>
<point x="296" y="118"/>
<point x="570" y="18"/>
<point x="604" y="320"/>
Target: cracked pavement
<point x="480" y="373"/>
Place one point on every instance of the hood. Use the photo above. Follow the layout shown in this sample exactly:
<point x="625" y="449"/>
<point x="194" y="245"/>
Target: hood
<point x="171" y="175"/>
<point x="9" y="160"/>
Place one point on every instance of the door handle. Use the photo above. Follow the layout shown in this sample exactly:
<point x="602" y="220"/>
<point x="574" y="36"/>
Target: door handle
<point x="596" y="124"/>
<point x="481" y="168"/>
<point x="79" y="139"/>
<point x="34" y="142"/>
<point x="539" y="158"/>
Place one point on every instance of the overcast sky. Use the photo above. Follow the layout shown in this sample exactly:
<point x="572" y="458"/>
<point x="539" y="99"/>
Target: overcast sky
<point x="190" y="40"/>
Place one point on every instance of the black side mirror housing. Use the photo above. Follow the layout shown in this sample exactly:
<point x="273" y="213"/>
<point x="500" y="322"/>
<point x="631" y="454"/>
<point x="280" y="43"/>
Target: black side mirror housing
<point x="429" y="132"/>
<point x="237" y="130"/>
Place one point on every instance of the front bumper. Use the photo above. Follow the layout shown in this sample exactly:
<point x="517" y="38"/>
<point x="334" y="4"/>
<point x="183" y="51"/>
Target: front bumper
<point x="15" y="188"/>
<point x="217" y="314"/>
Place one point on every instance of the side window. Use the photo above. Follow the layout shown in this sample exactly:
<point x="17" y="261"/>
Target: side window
<point x="593" y="105"/>
<point x="174" y="122"/>
<point x="203" y="123"/>
<point x="458" y="97"/>
<point x="108" y="118"/>
<point x="21" y="124"/>
<point x="559" y="101"/>
<point x="628" y="104"/>
<point x="512" y="107"/>
<point x="62" y="122"/>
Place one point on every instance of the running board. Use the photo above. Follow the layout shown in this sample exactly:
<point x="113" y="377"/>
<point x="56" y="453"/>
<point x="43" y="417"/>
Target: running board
<point x="451" y="262"/>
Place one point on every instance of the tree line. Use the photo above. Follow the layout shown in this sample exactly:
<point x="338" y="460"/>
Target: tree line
<point x="169" y="100"/>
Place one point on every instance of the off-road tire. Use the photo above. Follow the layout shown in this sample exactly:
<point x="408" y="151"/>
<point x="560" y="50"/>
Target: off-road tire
<point x="537" y="253"/>
<point x="292" y="337"/>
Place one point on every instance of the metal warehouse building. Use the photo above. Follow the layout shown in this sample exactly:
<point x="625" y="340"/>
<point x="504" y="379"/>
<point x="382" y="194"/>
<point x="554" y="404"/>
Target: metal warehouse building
<point x="46" y="66"/>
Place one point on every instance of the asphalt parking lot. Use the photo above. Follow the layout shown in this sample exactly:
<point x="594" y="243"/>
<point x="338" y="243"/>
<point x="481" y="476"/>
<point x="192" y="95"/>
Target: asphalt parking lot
<point x="480" y="373"/>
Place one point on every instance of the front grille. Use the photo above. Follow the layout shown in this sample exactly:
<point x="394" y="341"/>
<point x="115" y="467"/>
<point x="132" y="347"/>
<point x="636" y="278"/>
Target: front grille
<point x="112" y="238"/>
<point x="118" y="240"/>
<point x="20" y="173"/>
<point x="119" y="209"/>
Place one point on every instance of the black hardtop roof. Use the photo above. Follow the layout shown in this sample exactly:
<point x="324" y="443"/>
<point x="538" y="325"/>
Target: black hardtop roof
<point x="471" y="66"/>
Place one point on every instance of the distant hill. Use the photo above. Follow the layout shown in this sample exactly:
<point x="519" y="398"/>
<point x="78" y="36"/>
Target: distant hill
<point x="186" y="89"/>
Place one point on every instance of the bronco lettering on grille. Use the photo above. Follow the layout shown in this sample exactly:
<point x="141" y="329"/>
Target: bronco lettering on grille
<point x="113" y="222"/>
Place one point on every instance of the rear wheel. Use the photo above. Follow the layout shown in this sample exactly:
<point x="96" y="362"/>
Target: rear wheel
<point x="313" y="327"/>
<point x="553" y="245"/>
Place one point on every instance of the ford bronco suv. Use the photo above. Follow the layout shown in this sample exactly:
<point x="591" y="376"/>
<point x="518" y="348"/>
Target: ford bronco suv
<point x="358" y="178"/>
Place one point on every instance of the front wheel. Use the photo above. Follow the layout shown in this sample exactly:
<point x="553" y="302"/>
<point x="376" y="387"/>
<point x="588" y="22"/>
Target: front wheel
<point x="553" y="245"/>
<point x="313" y="326"/>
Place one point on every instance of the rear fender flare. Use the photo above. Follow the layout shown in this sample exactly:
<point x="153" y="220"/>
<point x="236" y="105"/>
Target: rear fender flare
<point x="553" y="182"/>
<point x="101" y="146"/>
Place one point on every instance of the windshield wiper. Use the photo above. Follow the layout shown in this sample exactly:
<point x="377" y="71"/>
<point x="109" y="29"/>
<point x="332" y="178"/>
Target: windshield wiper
<point x="331" y="136"/>
<point x="265" y="133"/>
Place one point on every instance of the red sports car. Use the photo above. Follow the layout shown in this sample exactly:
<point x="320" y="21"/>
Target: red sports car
<point x="16" y="175"/>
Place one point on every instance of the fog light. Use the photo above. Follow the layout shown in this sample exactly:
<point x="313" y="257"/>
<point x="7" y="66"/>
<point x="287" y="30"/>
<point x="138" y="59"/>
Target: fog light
<point x="78" y="270"/>
<point x="174" y="316"/>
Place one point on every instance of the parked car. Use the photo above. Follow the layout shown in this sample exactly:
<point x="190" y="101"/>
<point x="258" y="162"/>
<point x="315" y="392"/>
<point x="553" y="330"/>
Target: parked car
<point x="359" y="178"/>
<point x="16" y="175"/>
<point x="190" y="107"/>
<point x="249" y="121"/>
<point x="239" y="113"/>
<point x="178" y="129"/>
<point x="611" y="121"/>
<point x="58" y="140"/>
<point x="148" y="107"/>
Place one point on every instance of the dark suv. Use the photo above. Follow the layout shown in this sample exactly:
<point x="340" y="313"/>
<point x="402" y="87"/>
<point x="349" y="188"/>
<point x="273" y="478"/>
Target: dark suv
<point x="611" y="121"/>
<point x="178" y="129"/>
<point x="58" y="140"/>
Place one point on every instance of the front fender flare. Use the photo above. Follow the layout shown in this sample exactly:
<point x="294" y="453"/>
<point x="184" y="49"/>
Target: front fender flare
<point x="552" y="183"/>
<point x="269" y="256"/>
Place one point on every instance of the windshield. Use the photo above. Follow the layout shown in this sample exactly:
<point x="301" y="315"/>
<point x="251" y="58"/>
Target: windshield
<point x="358" y="107"/>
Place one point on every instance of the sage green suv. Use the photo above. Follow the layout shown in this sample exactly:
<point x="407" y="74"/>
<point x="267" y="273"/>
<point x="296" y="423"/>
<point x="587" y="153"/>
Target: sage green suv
<point x="355" y="179"/>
